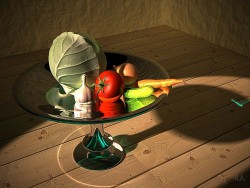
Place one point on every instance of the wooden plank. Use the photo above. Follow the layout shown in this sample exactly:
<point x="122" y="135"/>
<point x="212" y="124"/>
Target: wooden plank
<point x="188" y="136"/>
<point x="194" y="167"/>
<point x="29" y="173"/>
<point x="144" y="41"/>
<point x="146" y="180"/>
<point x="237" y="176"/>
<point x="38" y="173"/>
<point x="20" y="125"/>
<point x="179" y="112"/>
<point x="164" y="44"/>
<point x="14" y="70"/>
<point x="209" y="162"/>
<point x="6" y="96"/>
<point x="176" y="114"/>
<point x="32" y="57"/>
<point x="129" y="168"/>
<point x="194" y="57"/>
<point x="7" y="83"/>
<point x="210" y="67"/>
<point x="214" y="79"/>
<point x="133" y="35"/>
<point x="10" y="110"/>
<point x="37" y="141"/>
<point x="163" y="54"/>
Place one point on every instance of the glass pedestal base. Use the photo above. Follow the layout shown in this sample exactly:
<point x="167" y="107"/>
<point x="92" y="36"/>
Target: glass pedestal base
<point x="98" y="150"/>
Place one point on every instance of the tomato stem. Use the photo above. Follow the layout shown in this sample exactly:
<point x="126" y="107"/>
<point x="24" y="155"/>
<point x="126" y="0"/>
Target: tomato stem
<point x="102" y="84"/>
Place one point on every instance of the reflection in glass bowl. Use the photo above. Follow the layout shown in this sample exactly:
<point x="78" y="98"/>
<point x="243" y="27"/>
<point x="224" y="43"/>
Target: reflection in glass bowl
<point x="67" y="107"/>
<point x="111" y="109"/>
<point x="83" y="110"/>
<point x="57" y="97"/>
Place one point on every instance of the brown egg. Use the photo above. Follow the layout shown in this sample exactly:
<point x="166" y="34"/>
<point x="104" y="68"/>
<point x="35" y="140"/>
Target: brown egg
<point x="128" y="72"/>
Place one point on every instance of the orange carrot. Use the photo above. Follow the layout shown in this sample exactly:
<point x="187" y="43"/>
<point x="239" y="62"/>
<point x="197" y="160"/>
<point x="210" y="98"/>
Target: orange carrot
<point x="162" y="90"/>
<point x="158" y="83"/>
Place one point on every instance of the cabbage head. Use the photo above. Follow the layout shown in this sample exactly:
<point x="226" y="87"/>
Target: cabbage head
<point x="72" y="55"/>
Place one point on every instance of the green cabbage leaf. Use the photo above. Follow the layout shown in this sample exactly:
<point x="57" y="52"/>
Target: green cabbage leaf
<point x="72" y="55"/>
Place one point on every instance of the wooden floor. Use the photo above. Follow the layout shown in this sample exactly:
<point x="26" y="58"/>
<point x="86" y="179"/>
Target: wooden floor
<point x="196" y="137"/>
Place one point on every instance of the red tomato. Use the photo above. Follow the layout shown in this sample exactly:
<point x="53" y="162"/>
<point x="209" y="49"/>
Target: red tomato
<point x="109" y="84"/>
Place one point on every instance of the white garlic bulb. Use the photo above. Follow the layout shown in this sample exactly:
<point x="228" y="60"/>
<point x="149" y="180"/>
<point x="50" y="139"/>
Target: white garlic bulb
<point x="84" y="93"/>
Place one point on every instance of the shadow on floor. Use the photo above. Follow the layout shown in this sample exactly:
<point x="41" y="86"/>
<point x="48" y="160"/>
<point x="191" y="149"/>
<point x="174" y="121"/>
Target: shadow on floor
<point x="214" y="119"/>
<point x="237" y="181"/>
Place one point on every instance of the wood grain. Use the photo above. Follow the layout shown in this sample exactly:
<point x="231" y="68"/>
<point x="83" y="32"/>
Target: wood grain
<point x="144" y="41"/>
<point x="236" y="176"/>
<point x="190" y="169"/>
<point x="196" y="137"/>
<point x="32" y="57"/>
<point x="6" y="96"/>
<point x="134" y="35"/>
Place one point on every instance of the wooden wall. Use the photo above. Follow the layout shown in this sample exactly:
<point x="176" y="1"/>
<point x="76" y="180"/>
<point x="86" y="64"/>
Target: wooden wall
<point x="224" y="22"/>
<point x="31" y="25"/>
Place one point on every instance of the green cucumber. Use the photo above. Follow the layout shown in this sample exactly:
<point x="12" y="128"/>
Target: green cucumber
<point x="137" y="103"/>
<point x="141" y="92"/>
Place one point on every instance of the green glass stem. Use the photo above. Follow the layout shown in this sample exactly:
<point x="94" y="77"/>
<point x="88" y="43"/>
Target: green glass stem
<point x="97" y="139"/>
<point x="98" y="151"/>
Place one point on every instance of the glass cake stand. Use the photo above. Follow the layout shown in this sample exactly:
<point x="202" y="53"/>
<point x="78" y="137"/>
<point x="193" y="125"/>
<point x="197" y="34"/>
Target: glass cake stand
<point x="38" y="92"/>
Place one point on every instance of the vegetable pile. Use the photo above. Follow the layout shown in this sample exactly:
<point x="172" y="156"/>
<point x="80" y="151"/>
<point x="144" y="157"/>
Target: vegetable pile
<point x="79" y="65"/>
<point x="112" y="86"/>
